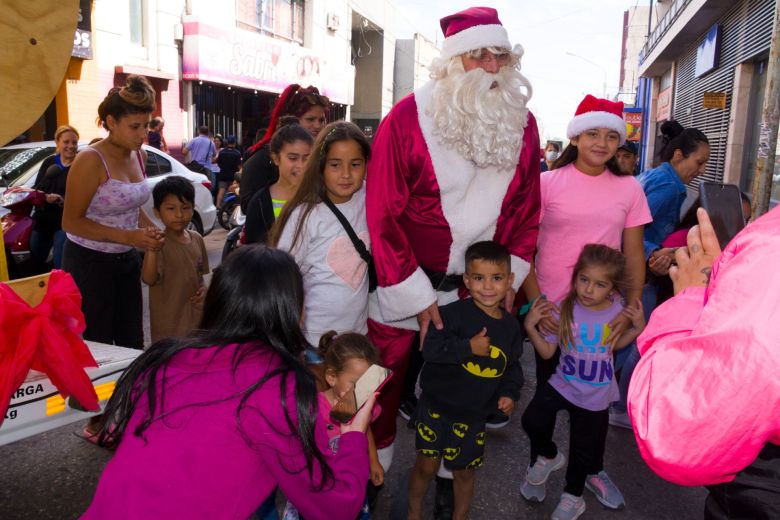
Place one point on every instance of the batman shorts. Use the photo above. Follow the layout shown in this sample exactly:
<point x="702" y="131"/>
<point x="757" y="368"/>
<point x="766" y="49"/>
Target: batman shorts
<point x="460" y="445"/>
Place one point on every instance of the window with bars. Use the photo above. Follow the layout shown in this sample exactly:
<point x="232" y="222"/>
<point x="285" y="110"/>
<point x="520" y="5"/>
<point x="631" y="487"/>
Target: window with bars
<point x="277" y="18"/>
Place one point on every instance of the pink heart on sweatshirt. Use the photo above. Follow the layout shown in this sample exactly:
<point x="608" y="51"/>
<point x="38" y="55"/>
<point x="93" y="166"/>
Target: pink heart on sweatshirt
<point x="345" y="262"/>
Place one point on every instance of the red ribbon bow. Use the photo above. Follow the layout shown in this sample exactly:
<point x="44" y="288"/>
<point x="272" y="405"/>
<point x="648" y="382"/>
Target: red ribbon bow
<point x="46" y="338"/>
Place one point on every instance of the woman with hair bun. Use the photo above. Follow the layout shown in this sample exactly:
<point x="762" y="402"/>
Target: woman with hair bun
<point x="685" y="154"/>
<point x="103" y="219"/>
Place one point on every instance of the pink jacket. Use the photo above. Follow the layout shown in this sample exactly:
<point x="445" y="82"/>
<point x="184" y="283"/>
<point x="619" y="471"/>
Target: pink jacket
<point x="705" y="397"/>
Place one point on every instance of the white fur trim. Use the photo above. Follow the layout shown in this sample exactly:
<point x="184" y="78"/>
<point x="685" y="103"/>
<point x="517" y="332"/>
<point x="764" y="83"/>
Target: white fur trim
<point x="477" y="37"/>
<point x="471" y="197"/>
<point x="444" y="472"/>
<point x="385" y="456"/>
<point x="405" y="299"/>
<point x="521" y="268"/>
<point x="591" y="120"/>
<point x="410" y="323"/>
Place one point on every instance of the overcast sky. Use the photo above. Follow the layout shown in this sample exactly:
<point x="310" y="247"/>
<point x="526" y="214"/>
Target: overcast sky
<point x="547" y="30"/>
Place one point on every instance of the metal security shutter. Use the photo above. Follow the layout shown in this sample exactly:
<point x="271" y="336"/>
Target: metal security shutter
<point x="746" y="32"/>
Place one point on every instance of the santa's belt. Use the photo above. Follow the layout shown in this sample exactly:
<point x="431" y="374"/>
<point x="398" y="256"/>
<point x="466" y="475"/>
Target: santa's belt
<point x="442" y="281"/>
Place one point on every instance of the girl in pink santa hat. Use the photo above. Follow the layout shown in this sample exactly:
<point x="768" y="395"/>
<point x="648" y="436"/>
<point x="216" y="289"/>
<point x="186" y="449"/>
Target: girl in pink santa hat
<point x="586" y="199"/>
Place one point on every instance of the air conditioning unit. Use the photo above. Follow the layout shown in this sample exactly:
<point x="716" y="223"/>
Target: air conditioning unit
<point x="332" y="22"/>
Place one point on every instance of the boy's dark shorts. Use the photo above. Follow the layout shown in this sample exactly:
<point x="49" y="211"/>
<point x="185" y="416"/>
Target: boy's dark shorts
<point x="460" y="444"/>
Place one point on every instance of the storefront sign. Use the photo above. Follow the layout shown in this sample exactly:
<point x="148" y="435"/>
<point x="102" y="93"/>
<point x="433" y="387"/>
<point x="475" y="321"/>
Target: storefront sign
<point x="633" y="117"/>
<point x="664" y="109"/>
<point x="245" y="59"/>
<point x="82" y="40"/>
<point x="708" y="52"/>
<point x="714" y="100"/>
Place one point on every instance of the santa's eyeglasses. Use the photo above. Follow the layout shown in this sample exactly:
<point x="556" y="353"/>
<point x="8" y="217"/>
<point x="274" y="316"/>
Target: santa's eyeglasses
<point x="487" y="56"/>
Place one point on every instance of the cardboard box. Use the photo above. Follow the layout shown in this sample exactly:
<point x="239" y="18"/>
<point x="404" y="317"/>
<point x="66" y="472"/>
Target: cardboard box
<point x="37" y="406"/>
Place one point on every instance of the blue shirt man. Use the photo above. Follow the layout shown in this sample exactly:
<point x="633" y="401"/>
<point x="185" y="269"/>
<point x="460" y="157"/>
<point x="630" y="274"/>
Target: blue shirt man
<point x="201" y="149"/>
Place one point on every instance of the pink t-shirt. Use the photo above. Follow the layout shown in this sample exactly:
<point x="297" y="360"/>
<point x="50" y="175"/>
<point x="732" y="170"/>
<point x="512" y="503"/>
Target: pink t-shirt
<point x="579" y="209"/>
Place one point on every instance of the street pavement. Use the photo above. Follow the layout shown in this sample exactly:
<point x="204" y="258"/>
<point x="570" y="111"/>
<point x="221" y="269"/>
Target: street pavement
<point x="54" y="475"/>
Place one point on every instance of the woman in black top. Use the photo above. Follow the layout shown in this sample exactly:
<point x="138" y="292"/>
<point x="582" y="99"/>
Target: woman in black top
<point x="47" y="231"/>
<point x="260" y="171"/>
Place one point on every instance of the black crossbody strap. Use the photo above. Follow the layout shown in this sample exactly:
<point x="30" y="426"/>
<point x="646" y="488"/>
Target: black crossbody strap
<point x="360" y="246"/>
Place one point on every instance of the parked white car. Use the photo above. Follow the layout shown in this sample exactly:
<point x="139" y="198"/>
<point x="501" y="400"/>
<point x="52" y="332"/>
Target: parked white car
<point x="19" y="165"/>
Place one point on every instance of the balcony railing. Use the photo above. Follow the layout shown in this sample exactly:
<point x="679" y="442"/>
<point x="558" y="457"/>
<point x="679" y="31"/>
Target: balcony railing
<point x="677" y="7"/>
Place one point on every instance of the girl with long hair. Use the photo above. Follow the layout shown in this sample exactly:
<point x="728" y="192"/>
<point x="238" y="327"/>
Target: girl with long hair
<point x="584" y="382"/>
<point x="587" y="199"/>
<point x="260" y="169"/>
<point x="290" y="148"/>
<point x="208" y="426"/>
<point x="335" y="274"/>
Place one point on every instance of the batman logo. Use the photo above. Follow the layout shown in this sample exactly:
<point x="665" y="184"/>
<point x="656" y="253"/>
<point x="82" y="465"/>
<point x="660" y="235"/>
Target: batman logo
<point x="460" y="429"/>
<point x="490" y="367"/>
<point x="481" y="439"/>
<point x="451" y="453"/>
<point x="434" y="415"/>
<point x="476" y="463"/>
<point x="430" y="453"/>
<point x="426" y="433"/>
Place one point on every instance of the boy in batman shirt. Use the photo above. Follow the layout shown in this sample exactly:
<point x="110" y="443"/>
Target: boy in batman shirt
<point x="471" y="366"/>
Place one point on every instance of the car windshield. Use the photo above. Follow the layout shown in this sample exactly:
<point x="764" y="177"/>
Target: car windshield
<point x="16" y="161"/>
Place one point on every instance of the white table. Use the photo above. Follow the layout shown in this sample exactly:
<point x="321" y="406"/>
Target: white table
<point x="37" y="406"/>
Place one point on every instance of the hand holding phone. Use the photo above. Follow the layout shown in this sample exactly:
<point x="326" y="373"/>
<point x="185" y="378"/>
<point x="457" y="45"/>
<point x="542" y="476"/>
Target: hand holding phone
<point x="723" y="203"/>
<point x="370" y="382"/>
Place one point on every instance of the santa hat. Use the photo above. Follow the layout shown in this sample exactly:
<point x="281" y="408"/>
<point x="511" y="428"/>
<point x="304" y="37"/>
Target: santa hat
<point x="593" y="113"/>
<point x="471" y="29"/>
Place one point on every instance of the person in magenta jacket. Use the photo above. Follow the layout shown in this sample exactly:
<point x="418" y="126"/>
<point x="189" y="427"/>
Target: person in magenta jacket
<point x="209" y="426"/>
<point x="704" y="399"/>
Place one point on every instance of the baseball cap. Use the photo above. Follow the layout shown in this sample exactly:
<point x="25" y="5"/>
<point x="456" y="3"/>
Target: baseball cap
<point x="630" y="147"/>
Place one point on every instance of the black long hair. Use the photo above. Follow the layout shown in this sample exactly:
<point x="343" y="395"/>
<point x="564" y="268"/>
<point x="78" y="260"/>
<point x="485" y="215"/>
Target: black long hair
<point x="255" y="300"/>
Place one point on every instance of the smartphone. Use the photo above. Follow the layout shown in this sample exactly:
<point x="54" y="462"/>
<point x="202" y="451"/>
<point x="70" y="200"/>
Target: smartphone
<point x="723" y="203"/>
<point x="370" y="382"/>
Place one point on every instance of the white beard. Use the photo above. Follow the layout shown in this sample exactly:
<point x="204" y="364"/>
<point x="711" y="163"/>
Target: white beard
<point x="484" y="125"/>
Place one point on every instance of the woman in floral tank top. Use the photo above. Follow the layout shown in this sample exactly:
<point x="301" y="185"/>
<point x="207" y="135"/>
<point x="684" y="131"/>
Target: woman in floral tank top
<point x="104" y="221"/>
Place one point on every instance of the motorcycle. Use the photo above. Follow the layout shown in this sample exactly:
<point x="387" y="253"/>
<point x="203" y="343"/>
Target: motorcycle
<point x="229" y="203"/>
<point x="236" y="235"/>
<point x="17" y="227"/>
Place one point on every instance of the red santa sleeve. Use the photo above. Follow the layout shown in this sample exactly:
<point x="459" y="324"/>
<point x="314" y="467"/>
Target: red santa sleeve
<point x="403" y="289"/>
<point x="518" y="222"/>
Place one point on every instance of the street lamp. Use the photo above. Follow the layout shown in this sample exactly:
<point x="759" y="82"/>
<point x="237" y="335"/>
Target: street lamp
<point x="603" y="70"/>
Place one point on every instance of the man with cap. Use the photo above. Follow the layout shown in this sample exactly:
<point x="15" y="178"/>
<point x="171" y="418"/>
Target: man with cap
<point x="627" y="157"/>
<point x="454" y="163"/>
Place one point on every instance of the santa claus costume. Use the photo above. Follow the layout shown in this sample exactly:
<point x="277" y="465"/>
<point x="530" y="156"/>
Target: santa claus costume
<point x="431" y="193"/>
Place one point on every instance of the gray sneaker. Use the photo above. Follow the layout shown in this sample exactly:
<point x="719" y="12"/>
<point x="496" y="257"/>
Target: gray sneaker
<point x="533" y="493"/>
<point x="621" y="420"/>
<point x="569" y="508"/>
<point x="605" y="490"/>
<point x="540" y="471"/>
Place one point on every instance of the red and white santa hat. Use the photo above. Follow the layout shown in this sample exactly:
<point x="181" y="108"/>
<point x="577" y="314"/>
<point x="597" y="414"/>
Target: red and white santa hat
<point x="471" y="29"/>
<point x="595" y="112"/>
